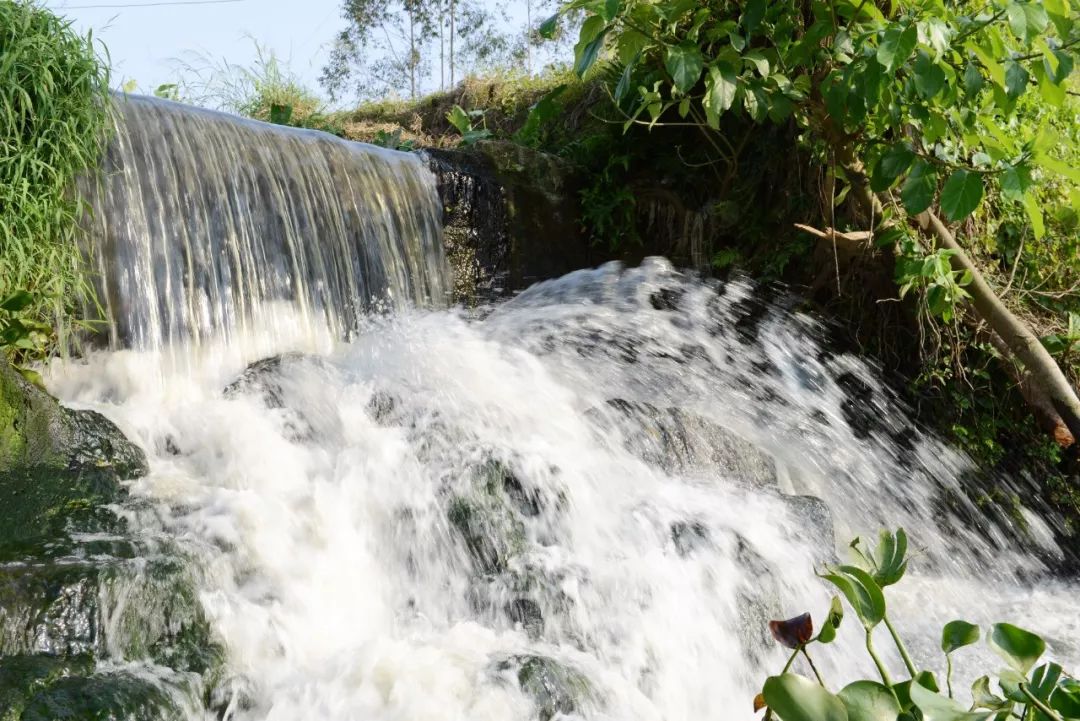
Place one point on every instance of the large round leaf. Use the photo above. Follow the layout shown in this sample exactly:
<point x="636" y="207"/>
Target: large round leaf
<point x="1022" y="649"/>
<point x="936" y="707"/>
<point x="684" y="63"/>
<point x="958" y="634"/>
<point x="795" y="698"/>
<point x="961" y="195"/>
<point x="869" y="701"/>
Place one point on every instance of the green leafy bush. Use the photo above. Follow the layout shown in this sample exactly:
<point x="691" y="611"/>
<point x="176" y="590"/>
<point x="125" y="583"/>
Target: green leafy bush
<point x="464" y="121"/>
<point x="1026" y="689"/>
<point x="54" y="110"/>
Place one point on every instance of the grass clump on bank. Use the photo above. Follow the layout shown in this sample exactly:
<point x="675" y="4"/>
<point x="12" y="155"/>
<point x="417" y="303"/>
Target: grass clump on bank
<point x="54" y="111"/>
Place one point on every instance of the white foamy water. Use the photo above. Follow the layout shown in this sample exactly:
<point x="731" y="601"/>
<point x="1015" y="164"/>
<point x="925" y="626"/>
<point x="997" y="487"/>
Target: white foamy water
<point x="397" y="527"/>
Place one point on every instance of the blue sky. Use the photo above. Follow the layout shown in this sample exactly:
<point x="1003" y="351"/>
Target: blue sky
<point x="145" y="42"/>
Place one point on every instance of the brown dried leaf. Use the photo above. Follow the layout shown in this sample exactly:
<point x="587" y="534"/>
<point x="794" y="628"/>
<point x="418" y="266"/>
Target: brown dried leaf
<point x="793" y="632"/>
<point x="759" y="702"/>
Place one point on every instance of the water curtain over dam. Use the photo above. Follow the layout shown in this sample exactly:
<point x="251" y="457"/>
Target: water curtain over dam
<point x="205" y="220"/>
<point x="583" y="503"/>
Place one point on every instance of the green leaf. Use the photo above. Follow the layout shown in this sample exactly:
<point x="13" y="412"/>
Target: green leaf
<point x="1010" y="681"/>
<point x="625" y="78"/>
<point x="795" y="698"/>
<point x="936" y="707"/>
<point x="1061" y="15"/>
<point x="753" y="15"/>
<point x="920" y="187"/>
<point x="1035" y="215"/>
<point x="1016" y="79"/>
<point x="1020" y="648"/>
<point x="590" y="42"/>
<point x="832" y="621"/>
<point x="756" y="103"/>
<point x="983" y="697"/>
<point x="893" y="163"/>
<point x="861" y="591"/>
<point x="961" y="195"/>
<point x="1066" y="698"/>
<point x="937" y="300"/>
<point x="588" y="55"/>
<point x="720" y="92"/>
<point x="903" y="690"/>
<point x="759" y="61"/>
<point x="16" y="301"/>
<point x="1056" y="166"/>
<point x="1015" y="181"/>
<point x="891" y="557"/>
<point x="684" y="63"/>
<point x="1044" y="680"/>
<point x="973" y="80"/>
<point x="929" y="77"/>
<point x="958" y="634"/>
<point x="1026" y="20"/>
<point x="896" y="46"/>
<point x="549" y="26"/>
<point x="1051" y="91"/>
<point x="869" y="701"/>
<point x="610" y="9"/>
<point x="459" y="119"/>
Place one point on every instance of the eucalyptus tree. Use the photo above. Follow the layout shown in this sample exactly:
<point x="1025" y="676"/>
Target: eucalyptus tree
<point x="911" y="103"/>
<point x="384" y="46"/>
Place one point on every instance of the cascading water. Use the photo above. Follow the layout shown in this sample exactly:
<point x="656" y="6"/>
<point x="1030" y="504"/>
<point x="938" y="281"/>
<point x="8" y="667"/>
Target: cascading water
<point x="204" y="219"/>
<point x="584" y="502"/>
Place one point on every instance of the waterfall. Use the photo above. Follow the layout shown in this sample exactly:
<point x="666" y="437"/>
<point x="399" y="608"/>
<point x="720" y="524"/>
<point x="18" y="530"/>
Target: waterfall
<point x="583" y="503"/>
<point x="206" y="224"/>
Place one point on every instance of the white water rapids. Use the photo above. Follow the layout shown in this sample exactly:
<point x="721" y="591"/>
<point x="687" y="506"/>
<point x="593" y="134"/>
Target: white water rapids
<point x="396" y="528"/>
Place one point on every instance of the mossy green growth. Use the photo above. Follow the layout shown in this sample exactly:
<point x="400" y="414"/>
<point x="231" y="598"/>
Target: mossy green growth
<point x="58" y="467"/>
<point x="554" y="687"/>
<point x="102" y="697"/>
<point x="22" y="677"/>
<point x="487" y="519"/>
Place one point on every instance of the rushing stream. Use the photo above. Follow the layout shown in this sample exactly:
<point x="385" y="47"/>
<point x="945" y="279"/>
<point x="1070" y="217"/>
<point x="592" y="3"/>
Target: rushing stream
<point x="586" y="501"/>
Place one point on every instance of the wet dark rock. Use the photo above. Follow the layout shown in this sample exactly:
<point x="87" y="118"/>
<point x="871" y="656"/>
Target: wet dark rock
<point x="510" y="218"/>
<point x="58" y="467"/>
<point x="815" y="524"/>
<point x="73" y="590"/>
<point x="274" y="381"/>
<point x="666" y="298"/>
<point x="133" y="608"/>
<point x="680" y="442"/>
<point x="101" y="697"/>
<point x="491" y="535"/>
<point x="37" y="434"/>
<point x="22" y="676"/>
<point x="528" y="614"/>
<point x="689" y="536"/>
<point x="554" y="687"/>
<point x="381" y="406"/>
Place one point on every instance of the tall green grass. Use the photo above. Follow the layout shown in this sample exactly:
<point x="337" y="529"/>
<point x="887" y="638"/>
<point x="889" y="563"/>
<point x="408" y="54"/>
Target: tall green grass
<point x="54" y="111"/>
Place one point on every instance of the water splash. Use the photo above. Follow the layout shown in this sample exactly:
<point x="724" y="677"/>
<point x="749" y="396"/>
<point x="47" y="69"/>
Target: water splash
<point x="204" y="219"/>
<point x="585" y="502"/>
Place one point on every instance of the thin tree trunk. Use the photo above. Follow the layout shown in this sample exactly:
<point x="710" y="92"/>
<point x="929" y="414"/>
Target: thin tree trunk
<point x="528" y="35"/>
<point x="1020" y="339"/>
<point x="453" y="8"/>
<point x="412" y="56"/>
<point x="442" y="56"/>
